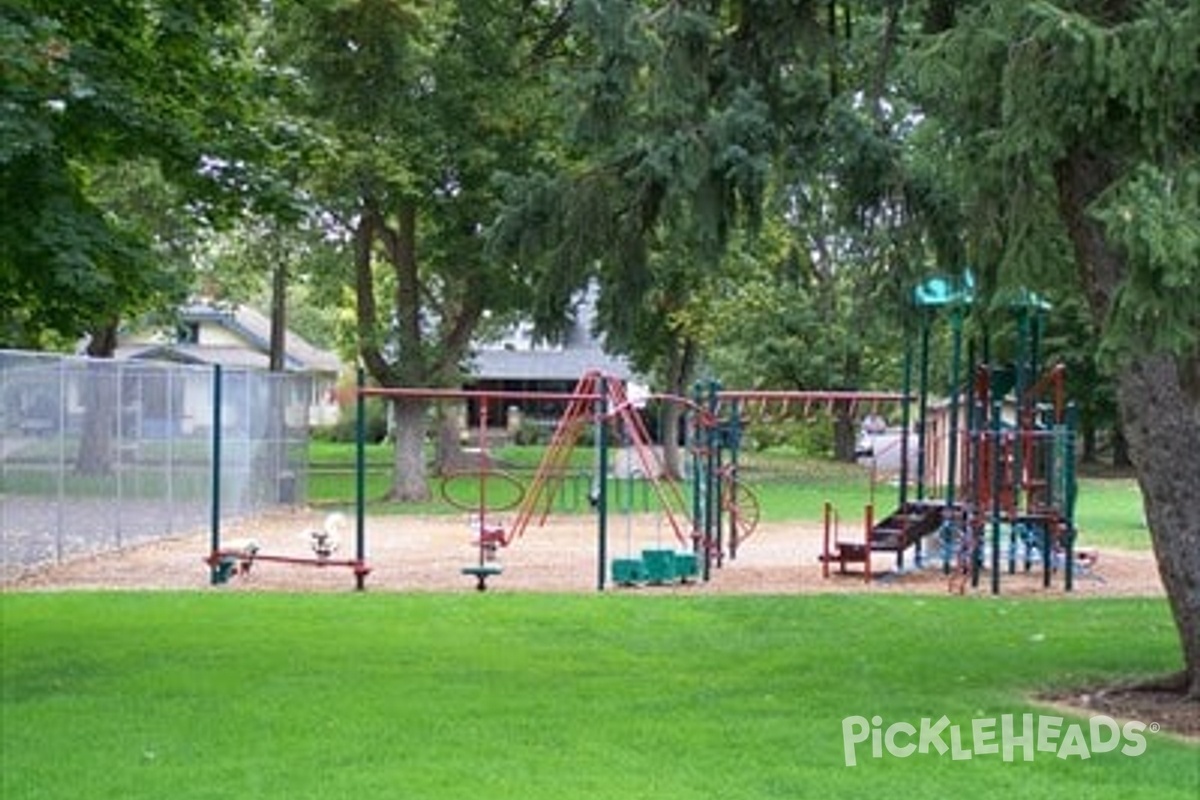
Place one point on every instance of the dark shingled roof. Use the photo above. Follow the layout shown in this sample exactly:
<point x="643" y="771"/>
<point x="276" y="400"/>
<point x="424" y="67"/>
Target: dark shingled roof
<point x="566" y="364"/>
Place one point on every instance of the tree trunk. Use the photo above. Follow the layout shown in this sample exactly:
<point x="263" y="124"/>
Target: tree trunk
<point x="845" y="436"/>
<point x="1120" y="447"/>
<point x="680" y="362"/>
<point x="1163" y="433"/>
<point x="408" y="415"/>
<point x="409" y="484"/>
<point x="672" y="416"/>
<point x="1087" y="433"/>
<point x="1161" y="422"/>
<point x="448" y="453"/>
<point x="99" y="394"/>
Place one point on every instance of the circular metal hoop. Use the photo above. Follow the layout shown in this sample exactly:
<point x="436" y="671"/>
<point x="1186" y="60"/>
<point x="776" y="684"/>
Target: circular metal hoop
<point x="743" y="507"/>
<point x="510" y="490"/>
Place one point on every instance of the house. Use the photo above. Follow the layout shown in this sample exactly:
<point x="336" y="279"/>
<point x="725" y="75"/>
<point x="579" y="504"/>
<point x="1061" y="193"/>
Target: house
<point x="238" y="337"/>
<point x="520" y="363"/>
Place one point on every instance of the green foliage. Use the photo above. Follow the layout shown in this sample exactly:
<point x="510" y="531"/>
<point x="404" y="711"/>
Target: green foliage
<point x="1044" y="78"/>
<point x="346" y="428"/>
<point x="417" y="108"/>
<point x="1155" y="218"/>
<point x="680" y="115"/>
<point x="88" y="91"/>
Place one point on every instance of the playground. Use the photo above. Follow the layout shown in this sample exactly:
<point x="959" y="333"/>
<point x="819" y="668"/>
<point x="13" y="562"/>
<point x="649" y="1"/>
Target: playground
<point x="713" y="638"/>
<point x="426" y="553"/>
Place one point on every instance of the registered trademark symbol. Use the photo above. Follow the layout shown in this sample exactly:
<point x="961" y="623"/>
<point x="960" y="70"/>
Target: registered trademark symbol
<point x="1154" y="726"/>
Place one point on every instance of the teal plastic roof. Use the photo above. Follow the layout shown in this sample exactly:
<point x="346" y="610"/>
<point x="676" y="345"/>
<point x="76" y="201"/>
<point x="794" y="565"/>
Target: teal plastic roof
<point x="943" y="291"/>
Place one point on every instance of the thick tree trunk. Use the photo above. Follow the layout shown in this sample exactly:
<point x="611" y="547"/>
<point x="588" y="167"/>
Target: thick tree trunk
<point x="1160" y="419"/>
<point x="409" y="417"/>
<point x="1120" y="448"/>
<point x="672" y="416"/>
<point x="845" y="437"/>
<point x="99" y="393"/>
<point x="1087" y="433"/>
<point x="409" y="484"/>
<point x="1163" y="432"/>
<point x="680" y="362"/>
<point x="448" y="452"/>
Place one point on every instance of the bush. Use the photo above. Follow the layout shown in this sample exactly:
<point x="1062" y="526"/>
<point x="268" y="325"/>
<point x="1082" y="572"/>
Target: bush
<point x="810" y="438"/>
<point x="345" y="429"/>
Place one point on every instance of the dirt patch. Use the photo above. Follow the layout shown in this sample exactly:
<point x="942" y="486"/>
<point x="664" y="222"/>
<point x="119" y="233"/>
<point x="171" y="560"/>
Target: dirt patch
<point x="428" y="554"/>
<point x="1162" y="710"/>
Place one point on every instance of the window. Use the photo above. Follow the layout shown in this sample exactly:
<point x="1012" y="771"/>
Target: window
<point x="188" y="333"/>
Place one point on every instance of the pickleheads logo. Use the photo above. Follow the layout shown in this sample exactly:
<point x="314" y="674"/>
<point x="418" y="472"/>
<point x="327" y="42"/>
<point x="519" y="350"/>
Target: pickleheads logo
<point x="1006" y="736"/>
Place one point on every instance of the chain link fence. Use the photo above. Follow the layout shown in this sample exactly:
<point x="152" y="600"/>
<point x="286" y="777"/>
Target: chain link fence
<point x="97" y="455"/>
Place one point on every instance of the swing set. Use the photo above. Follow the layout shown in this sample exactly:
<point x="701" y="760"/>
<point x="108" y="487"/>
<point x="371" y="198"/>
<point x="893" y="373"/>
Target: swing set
<point x="700" y="521"/>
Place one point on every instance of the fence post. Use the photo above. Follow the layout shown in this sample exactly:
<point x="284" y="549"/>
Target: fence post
<point x="602" y="486"/>
<point x="60" y="506"/>
<point x="215" y="513"/>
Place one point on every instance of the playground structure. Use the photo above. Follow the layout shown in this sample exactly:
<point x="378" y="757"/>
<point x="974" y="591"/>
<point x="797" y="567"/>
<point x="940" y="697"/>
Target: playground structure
<point x="237" y="558"/>
<point x="702" y="519"/>
<point x="994" y="472"/>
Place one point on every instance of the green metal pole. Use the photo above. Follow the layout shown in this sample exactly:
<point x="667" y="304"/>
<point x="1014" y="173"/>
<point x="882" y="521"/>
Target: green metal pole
<point x="360" y="477"/>
<point x="1025" y="381"/>
<point x="215" y="508"/>
<point x="905" y="422"/>
<point x="923" y="405"/>
<point x="696" y="441"/>
<point x="711" y="514"/>
<point x="1071" y="489"/>
<point x="956" y="323"/>
<point x="731" y="440"/>
<point x="602" y="486"/>
<point x="997" y="483"/>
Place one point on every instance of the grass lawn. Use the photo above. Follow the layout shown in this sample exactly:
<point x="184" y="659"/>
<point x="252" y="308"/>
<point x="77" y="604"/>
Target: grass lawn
<point x="219" y="695"/>
<point x="1108" y="512"/>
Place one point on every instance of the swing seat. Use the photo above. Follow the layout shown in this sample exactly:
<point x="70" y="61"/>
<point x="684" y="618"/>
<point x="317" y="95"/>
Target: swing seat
<point x="628" y="571"/>
<point x="660" y="566"/>
<point x="687" y="566"/>
<point x="490" y="537"/>
<point x="481" y="572"/>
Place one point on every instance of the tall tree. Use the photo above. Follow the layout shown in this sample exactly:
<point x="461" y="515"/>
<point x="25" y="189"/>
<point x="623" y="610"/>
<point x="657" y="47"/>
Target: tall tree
<point x="418" y="105"/>
<point x="680" y="110"/>
<point x="1089" y="109"/>
<point x="94" y="93"/>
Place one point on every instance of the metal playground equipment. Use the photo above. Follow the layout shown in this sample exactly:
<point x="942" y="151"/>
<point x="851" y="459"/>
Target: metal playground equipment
<point x="995" y="468"/>
<point x="705" y="516"/>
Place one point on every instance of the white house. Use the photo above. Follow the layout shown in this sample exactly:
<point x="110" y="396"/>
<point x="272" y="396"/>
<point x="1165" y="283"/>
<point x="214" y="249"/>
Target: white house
<point x="238" y="336"/>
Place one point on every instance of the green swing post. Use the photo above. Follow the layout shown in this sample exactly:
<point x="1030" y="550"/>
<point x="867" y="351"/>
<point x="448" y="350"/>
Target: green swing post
<point x="923" y="404"/>
<point x="712" y="521"/>
<point x="360" y="479"/>
<point x="601" y="485"/>
<point x="997" y="484"/>
<point x="956" y="324"/>
<point x="696" y="443"/>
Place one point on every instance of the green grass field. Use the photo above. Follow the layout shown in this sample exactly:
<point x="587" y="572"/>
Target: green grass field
<point x="161" y="695"/>
<point x="1108" y="513"/>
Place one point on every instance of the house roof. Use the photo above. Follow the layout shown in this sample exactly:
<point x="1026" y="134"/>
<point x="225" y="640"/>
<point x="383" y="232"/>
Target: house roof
<point x="248" y="325"/>
<point x="256" y="328"/>
<point x="565" y="364"/>
<point x="520" y="357"/>
<point x="237" y="357"/>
